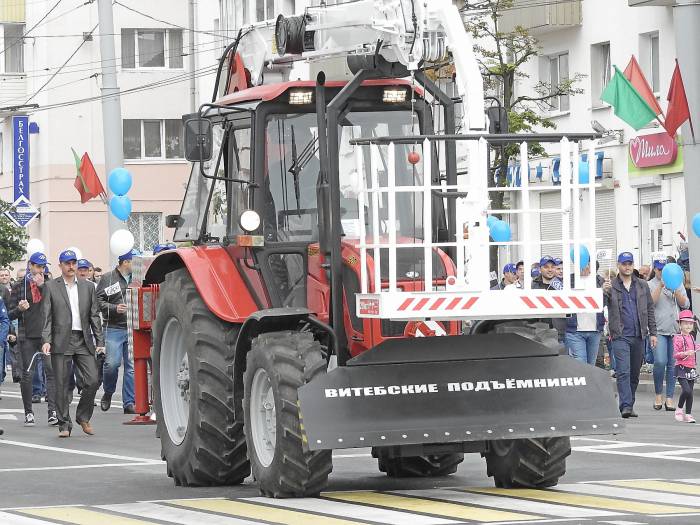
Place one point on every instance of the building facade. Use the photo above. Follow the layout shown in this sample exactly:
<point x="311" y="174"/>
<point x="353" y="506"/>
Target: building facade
<point x="52" y="75"/>
<point x="641" y="201"/>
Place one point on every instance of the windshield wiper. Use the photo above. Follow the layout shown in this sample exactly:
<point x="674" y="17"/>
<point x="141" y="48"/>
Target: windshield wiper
<point x="300" y="161"/>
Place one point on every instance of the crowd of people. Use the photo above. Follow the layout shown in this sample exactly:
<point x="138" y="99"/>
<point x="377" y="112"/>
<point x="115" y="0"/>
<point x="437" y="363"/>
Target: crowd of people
<point x="643" y="321"/>
<point x="67" y="333"/>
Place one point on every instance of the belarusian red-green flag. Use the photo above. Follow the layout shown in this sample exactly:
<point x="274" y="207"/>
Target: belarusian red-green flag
<point x="628" y="104"/>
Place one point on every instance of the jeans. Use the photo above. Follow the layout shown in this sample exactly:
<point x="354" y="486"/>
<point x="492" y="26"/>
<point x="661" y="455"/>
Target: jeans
<point x="4" y="351"/>
<point x="31" y="349"/>
<point x="39" y="379"/>
<point x="628" y="352"/>
<point x="664" y="365"/>
<point x="583" y="345"/>
<point x="117" y="350"/>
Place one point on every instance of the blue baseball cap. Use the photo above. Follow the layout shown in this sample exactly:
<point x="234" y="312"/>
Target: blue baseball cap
<point x="129" y="255"/>
<point x="38" y="258"/>
<point x="163" y="247"/>
<point x="535" y="272"/>
<point x="547" y="259"/>
<point x="625" y="257"/>
<point x="558" y="261"/>
<point x="84" y="263"/>
<point x="660" y="263"/>
<point x="509" y="268"/>
<point x="67" y="255"/>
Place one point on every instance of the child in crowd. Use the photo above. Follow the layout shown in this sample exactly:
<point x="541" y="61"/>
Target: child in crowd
<point x="684" y="348"/>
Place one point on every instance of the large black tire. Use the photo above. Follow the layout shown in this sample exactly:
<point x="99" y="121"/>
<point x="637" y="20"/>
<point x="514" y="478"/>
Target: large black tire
<point x="290" y="360"/>
<point x="527" y="463"/>
<point x="213" y="451"/>
<point x="431" y="466"/>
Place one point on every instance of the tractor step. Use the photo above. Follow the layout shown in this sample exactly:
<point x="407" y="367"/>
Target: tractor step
<point x="450" y="401"/>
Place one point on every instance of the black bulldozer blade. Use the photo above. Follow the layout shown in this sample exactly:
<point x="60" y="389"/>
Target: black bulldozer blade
<point x="456" y="389"/>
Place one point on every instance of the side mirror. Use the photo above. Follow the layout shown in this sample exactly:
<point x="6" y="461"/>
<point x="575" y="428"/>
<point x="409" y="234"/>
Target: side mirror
<point x="198" y="140"/>
<point x="174" y="221"/>
<point x="498" y="119"/>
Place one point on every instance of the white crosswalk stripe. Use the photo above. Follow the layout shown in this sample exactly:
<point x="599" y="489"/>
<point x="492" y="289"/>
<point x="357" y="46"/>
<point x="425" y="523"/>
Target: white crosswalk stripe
<point x="622" y="502"/>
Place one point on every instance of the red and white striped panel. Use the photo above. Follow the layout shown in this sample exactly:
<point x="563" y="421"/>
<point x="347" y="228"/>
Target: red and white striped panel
<point x="437" y="305"/>
<point x="565" y="302"/>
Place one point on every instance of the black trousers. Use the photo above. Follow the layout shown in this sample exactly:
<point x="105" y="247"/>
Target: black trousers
<point x="78" y="354"/>
<point x="686" y="397"/>
<point x="29" y="347"/>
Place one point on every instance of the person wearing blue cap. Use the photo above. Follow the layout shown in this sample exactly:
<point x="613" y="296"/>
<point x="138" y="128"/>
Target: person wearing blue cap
<point x="667" y="303"/>
<point x="83" y="271"/>
<point x="111" y="292"/>
<point x="25" y="306"/>
<point x="630" y="321"/>
<point x="72" y="335"/>
<point x="509" y="277"/>
<point x="547" y="280"/>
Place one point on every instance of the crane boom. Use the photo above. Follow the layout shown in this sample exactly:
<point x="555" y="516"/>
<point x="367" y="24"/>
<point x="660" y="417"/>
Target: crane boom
<point x="403" y="32"/>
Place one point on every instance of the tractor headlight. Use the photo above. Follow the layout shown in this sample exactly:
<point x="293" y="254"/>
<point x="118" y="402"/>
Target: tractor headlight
<point x="301" y="96"/>
<point x="249" y="220"/>
<point x="394" y="95"/>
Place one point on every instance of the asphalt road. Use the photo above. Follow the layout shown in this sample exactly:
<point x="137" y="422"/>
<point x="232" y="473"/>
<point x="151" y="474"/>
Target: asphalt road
<point x="649" y="474"/>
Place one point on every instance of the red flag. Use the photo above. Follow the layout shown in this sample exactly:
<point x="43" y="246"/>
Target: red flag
<point x="678" y="111"/>
<point x="635" y="75"/>
<point x="86" y="181"/>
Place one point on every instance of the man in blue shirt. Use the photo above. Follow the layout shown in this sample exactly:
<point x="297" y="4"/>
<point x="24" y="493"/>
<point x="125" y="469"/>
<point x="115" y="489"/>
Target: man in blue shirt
<point x="630" y="321"/>
<point x="4" y="329"/>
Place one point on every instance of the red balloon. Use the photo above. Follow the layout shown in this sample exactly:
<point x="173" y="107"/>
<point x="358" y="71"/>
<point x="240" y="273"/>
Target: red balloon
<point x="414" y="157"/>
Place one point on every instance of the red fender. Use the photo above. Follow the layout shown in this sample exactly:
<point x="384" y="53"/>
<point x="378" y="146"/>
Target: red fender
<point x="214" y="274"/>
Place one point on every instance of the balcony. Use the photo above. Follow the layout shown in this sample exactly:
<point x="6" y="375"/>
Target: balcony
<point x="542" y="18"/>
<point x="13" y="89"/>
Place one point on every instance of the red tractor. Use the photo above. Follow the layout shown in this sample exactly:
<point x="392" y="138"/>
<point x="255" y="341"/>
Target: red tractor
<point x="335" y="255"/>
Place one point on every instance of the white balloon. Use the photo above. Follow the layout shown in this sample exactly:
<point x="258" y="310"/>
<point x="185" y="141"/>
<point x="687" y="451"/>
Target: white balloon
<point x="76" y="251"/>
<point x="34" y="245"/>
<point x="121" y="242"/>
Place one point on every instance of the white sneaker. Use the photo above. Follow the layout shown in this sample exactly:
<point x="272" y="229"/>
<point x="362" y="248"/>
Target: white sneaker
<point x="689" y="418"/>
<point x="29" y="420"/>
<point x="679" y="414"/>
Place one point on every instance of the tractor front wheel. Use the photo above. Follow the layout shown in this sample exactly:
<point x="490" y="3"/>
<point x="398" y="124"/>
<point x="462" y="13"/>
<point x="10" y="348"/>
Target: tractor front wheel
<point x="527" y="463"/>
<point x="431" y="466"/>
<point x="202" y="442"/>
<point x="277" y="364"/>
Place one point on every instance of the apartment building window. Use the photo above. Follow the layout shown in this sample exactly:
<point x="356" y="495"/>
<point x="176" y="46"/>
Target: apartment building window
<point x="13" y="46"/>
<point x="600" y="71"/>
<point x="264" y="10"/>
<point x="152" y="48"/>
<point x="147" y="229"/>
<point x="152" y="139"/>
<point x="558" y="73"/>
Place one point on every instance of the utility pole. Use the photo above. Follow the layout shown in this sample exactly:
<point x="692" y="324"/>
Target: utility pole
<point x="191" y="8"/>
<point x="686" y="20"/>
<point x="111" y="105"/>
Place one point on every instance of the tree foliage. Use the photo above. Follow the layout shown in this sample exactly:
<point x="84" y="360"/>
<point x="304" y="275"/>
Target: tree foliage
<point x="13" y="240"/>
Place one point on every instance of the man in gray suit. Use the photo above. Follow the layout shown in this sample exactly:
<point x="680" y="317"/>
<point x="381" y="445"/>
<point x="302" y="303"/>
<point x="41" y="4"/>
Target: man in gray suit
<point x="72" y="318"/>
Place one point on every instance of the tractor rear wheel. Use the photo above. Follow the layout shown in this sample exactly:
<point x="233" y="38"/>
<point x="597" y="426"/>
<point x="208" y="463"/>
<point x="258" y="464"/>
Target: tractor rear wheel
<point x="277" y="364"/>
<point x="431" y="466"/>
<point x="527" y="463"/>
<point x="202" y="442"/>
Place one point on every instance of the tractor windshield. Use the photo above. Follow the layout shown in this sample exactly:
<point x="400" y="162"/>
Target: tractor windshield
<point x="290" y="198"/>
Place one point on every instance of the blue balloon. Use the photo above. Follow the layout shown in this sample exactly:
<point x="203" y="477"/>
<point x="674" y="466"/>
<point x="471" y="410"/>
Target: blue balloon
<point x="119" y="181"/>
<point x="491" y="220"/>
<point x="500" y="231"/>
<point x="696" y="224"/>
<point x="583" y="172"/>
<point x="672" y="275"/>
<point x="584" y="256"/>
<point x="120" y="206"/>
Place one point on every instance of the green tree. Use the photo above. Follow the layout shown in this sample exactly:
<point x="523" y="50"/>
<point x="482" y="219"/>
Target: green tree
<point x="13" y="240"/>
<point x="502" y="55"/>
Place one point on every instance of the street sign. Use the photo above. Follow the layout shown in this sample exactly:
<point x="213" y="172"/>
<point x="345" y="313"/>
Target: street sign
<point x="22" y="213"/>
<point x="20" y="155"/>
<point x="604" y="255"/>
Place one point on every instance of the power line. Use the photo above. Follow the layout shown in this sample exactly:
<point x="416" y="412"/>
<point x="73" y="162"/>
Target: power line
<point x="59" y="69"/>
<point x="20" y="39"/>
<point x="117" y="2"/>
